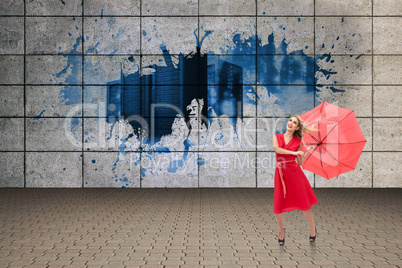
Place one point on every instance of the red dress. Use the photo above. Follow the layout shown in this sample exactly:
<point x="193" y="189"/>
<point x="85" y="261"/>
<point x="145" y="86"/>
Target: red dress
<point x="292" y="191"/>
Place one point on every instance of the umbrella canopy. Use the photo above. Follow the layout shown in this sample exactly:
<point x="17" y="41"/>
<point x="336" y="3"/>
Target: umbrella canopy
<point x="337" y="140"/>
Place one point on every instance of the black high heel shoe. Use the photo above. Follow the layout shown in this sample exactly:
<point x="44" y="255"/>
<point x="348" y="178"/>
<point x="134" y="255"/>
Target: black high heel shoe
<point x="312" y="238"/>
<point x="283" y="240"/>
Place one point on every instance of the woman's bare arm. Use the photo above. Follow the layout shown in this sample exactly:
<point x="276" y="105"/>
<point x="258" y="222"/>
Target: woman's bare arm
<point x="280" y="150"/>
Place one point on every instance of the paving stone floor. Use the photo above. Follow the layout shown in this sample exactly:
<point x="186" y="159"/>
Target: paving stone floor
<point x="206" y="227"/>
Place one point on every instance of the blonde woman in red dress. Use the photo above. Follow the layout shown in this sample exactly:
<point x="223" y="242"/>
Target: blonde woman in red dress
<point x="292" y="189"/>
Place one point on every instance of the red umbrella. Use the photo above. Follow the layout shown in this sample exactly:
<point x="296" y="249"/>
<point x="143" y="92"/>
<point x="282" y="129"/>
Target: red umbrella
<point x="337" y="140"/>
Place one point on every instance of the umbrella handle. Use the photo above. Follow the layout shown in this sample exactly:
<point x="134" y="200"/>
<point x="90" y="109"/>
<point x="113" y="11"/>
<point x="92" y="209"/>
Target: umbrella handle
<point x="310" y="148"/>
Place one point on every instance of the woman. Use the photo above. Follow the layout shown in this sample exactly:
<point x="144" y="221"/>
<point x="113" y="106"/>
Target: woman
<point x="292" y="189"/>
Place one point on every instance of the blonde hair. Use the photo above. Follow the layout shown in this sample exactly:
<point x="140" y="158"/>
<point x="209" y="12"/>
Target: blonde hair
<point x="303" y="128"/>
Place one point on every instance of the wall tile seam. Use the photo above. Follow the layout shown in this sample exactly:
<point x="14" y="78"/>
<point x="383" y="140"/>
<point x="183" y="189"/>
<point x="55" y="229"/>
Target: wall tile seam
<point x="171" y="152"/>
<point x="372" y="95"/>
<point x="315" y="56"/>
<point x="25" y="98"/>
<point x="296" y="85"/>
<point x="289" y="85"/>
<point x="203" y="16"/>
<point x="246" y="117"/>
<point x="82" y="94"/>
<point x="255" y="82"/>
<point x="141" y="61"/>
<point x="369" y="54"/>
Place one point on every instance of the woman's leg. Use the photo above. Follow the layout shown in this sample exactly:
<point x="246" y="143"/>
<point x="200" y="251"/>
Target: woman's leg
<point x="309" y="216"/>
<point x="279" y="219"/>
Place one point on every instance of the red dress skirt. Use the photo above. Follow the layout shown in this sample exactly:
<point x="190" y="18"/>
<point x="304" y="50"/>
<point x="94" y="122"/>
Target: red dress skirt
<point x="292" y="189"/>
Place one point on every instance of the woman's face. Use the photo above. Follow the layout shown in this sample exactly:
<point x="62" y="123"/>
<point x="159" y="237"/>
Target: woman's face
<point x="293" y="124"/>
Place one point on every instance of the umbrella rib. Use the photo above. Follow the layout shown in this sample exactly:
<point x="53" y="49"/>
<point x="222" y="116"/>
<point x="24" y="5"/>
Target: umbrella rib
<point x="343" y="143"/>
<point x="336" y="125"/>
<point x="316" y="141"/>
<point x="319" y="134"/>
<point x="310" y="154"/>
<point x="313" y="138"/>
<point x="318" y="125"/>
<point x="335" y="158"/>
<point x="322" y="167"/>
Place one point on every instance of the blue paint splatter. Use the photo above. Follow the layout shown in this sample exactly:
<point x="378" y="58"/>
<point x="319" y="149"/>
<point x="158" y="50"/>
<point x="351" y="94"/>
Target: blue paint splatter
<point x="199" y="43"/>
<point x="70" y="94"/>
<point x="327" y="73"/>
<point x="75" y="122"/>
<point x="201" y="161"/>
<point x="39" y="116"/>
<point x="336" y="90"/>
<point x="161" y="149"/>
<point x="176" y="164"/>
<point x="93" y="161"/>
<point x="122" y="146"/>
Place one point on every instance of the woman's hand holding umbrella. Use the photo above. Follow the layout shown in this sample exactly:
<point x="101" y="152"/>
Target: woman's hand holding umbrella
<point x="301" y="157"/>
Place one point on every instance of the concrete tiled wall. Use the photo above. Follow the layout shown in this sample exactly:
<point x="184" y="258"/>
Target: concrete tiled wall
<point x="58" y="56"/>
